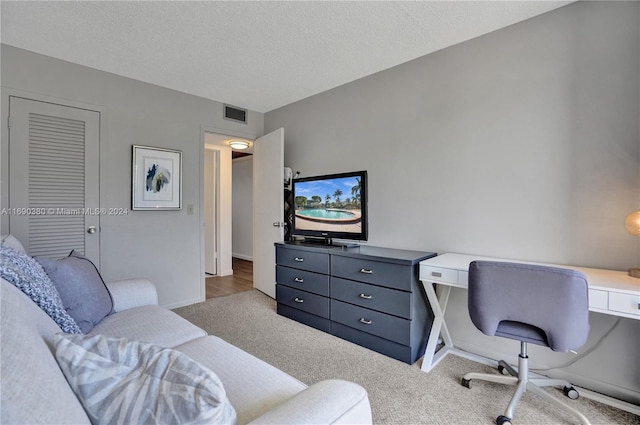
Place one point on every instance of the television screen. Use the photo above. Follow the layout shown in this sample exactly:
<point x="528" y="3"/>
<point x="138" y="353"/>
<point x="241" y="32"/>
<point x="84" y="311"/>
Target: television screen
<point x="331" y="206"/>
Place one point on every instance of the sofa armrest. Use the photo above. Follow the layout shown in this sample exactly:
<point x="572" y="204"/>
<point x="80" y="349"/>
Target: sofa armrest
<point x="327" y="402"/>
<point x="130" y="293"/>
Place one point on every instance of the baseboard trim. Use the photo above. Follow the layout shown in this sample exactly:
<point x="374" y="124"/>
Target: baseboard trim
<point x="182" y="303"/>
<point x="242" y="256"/>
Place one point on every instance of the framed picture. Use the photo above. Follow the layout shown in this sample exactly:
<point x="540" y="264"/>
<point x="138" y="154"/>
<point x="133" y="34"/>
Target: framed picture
<point x="157" y="179"/>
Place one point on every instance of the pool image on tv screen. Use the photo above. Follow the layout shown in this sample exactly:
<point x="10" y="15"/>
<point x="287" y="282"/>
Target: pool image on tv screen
<point x="331" y="205"/>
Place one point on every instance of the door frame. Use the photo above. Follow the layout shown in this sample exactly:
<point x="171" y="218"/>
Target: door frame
<point x="211" y="178"/>
<point x="4" y="144"/>
<point x="231" y="134"/>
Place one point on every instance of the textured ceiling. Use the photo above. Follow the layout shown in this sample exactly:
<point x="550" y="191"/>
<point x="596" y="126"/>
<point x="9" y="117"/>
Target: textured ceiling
<point x="255" y="55"/>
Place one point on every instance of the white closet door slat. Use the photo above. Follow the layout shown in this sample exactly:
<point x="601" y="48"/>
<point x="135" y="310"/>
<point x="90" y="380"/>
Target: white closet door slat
<point x="56" y="178"/>
<point x="54" y="154"/>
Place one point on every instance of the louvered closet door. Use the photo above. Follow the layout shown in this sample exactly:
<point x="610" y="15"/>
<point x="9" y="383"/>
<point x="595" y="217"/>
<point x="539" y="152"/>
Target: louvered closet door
<point x="54" y="178"/>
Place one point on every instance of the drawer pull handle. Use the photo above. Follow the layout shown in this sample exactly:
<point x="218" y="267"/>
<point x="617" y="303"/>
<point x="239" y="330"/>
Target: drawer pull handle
<point x="298" y="300"/>
<point x="298" y="259"/>
<point x="298" y="279"/>
<point x="436" y="274"/>
<point x="366" y="271"/>
<point x="365" y="321"/>
<point x="366" y="297"/>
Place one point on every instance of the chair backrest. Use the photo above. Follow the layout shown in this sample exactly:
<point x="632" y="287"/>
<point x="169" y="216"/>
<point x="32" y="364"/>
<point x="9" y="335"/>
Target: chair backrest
<point x="552" y="300"/>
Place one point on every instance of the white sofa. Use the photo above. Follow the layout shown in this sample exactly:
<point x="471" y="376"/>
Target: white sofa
<point x="35" y="391"/>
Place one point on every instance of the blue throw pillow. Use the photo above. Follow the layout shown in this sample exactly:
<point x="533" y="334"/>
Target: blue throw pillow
<point x="27" y="275"/>
<point x="81" y="288"/>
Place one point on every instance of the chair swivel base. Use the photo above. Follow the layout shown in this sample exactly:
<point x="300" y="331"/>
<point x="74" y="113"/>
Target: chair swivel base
<point x="524" y="383"/>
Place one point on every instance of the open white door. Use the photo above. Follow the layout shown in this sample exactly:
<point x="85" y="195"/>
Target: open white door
<point x="268" y="208"/>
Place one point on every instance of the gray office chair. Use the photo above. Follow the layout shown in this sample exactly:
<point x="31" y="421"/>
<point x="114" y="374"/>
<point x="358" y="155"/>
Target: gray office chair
<point x="542" y="305"/>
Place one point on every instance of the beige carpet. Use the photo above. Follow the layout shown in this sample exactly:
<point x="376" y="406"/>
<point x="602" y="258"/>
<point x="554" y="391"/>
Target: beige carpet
<point x="399" y="393"/>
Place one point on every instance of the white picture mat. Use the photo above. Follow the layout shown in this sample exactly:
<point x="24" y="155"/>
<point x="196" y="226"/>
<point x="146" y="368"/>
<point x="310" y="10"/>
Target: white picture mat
<point x="164" y="189"/>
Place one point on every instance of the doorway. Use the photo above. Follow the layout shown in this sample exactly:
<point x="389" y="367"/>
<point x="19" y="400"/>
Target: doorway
<point x="217" y="201"/>
<point x="266" y="187"/>
<point x="240" y="281"/>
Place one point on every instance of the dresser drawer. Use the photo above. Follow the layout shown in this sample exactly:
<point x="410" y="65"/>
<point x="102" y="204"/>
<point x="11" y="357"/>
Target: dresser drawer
<point x="304" y="317"/>
<point x="624" y="303"/>
<point x="373" y="322"/>
<point x="304" y="260"/>
<point x="404" y="353"/>
<point x="384" y="274"/>
<point x="302" y="279"/>
<point x="378" y="298"/>
<point x="305" y="301"/>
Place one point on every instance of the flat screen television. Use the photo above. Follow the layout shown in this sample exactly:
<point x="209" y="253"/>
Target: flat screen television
<point x="329" y="207"/>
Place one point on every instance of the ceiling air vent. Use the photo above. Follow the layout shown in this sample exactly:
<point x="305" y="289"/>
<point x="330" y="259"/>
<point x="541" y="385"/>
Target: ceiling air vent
<point x="235" y="114"/>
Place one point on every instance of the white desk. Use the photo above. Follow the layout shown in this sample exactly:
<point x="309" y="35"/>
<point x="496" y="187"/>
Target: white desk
<point x="610" y="292"/>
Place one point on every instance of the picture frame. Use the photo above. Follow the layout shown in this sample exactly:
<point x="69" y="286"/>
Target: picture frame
<point x="156" y="179"/>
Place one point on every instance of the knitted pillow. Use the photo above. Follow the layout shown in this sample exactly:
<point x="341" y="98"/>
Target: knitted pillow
<point x="131" y="382"/>
<point x="27" y="275"/>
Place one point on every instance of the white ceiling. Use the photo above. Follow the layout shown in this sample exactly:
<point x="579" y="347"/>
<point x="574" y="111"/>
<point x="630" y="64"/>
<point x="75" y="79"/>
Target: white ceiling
<point x="255" y="55"/>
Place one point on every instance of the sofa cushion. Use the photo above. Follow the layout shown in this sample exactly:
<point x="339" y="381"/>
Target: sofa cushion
<point x="12" y="242"/>
<point x="253" y="386"/>
<point x="121" y="381"/>
<point x="332" y="401"/>
<point x="81" y="288"/>
<point x="33" y="390"/>
<point x="150" y="323"/>
<point x="26" y="274"/>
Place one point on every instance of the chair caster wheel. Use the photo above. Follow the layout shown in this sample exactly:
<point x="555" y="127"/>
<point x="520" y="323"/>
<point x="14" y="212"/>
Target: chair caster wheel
<point x="571" y="392"/>
<point x="503" y="370"/>
<point x="503" y="420"/>
<point x="466" y="383"/>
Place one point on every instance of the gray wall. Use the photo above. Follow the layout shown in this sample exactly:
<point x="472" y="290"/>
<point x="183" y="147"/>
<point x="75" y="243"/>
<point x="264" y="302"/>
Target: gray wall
<point x="163" y="246"/>
<point x="243" y="208"/>
<point x="521" y="144"/>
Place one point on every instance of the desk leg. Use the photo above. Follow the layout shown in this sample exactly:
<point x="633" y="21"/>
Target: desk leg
<point x="439" y="327"/>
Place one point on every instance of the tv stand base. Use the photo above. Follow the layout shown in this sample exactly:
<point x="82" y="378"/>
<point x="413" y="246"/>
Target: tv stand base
<point x="329" y="243"/>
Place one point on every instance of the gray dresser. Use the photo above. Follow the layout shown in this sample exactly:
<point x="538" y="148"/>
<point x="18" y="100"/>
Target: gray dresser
<point x="367" y="295"/>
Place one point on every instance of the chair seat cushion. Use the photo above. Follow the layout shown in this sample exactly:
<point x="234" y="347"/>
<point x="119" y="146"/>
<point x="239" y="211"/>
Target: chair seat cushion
<point x="522" y="332"/>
